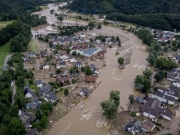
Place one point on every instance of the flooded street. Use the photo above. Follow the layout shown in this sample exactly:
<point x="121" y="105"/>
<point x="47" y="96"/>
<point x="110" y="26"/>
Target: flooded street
<point x="90" y="121"/>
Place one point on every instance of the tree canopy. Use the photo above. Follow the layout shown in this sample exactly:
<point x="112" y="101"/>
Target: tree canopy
<point x="110" y="107"/>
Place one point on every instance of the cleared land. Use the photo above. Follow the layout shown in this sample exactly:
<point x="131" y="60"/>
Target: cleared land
<point x="4" y="24"/>
<point x="44" y="7"/>
<point x="32" y="46"/>
<point x="4" y="50"/>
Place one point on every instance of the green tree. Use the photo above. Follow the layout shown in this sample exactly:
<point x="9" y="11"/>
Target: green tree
<point x="158" y="77"/>
<point x="131" y="99"/>
<point x="139" y="82"/>
<point x="43" y="122"/>
<point x="50" y="44"/>
<point x="110" y="107"/>
<point x="121" y="61"/>
<point x="99" y="26"/>
<point x="58" y="71"/>
<point x="66" y="92"/>
<point x="147" y="73"/>
<point x="16" y="127"/>
<point x="88" y="71"/>
<point x="151" y="59"/>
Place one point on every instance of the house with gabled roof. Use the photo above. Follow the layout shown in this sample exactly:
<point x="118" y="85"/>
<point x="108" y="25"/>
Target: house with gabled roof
<point x="133" y="127"/>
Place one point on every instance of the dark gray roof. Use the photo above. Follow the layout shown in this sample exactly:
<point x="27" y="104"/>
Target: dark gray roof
<point x="31" y="53"/>
<point x="85" y="91"/>
<point x="38" y="82"/>
<point x="43" y="53"/>
<point x="30" y="117"/>
<point x="140" y="100"/>
<point x="62" y="63"/>
<point x="52" y="96"/>
<point x="78" y="63"/>
<point x="149" y="110"/>
<point x="169" y="98"/>
<point x="171" y="75"/>
<point x="134" y="125"/>
<point x="44" y="89"/>
<point x="152" y="102"/>
<point x="29" y="60"/>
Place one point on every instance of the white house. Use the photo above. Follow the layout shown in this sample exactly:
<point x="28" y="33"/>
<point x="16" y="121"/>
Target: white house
<point x="73" y="60"/>
<point x="61" y="65"/>
<point x="133" y="127"/>
<point x="45" y="66"/>
<point x="177" y="83"/>
<point x="150" y="113"/>
<point x="64" y="58"/>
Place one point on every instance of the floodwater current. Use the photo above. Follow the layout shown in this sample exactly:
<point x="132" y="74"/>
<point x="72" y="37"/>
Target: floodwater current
<point x="90" y="121"/>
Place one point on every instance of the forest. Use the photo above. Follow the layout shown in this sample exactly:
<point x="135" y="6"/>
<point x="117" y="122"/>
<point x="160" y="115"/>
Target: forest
<point x="159" y="14"/>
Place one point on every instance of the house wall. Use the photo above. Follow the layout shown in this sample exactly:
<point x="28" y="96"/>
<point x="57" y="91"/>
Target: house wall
<point x="40" y="85"/>
<point x="162" y="99"/>
<point x="166" y="117"/>
<point x="176" y="84"/>
<point x="149" y="116"/>
<point x="170" y="79"/>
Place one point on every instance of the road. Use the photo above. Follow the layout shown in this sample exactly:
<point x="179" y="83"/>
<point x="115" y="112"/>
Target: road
<point x="5" y="62"/>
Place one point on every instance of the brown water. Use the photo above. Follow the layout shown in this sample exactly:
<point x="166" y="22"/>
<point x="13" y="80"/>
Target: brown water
<point x="90" y="121"/>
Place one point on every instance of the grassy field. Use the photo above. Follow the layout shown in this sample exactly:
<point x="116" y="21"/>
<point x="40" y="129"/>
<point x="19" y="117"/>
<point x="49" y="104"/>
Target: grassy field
<point x="32" y="46"/>
<point x="44" y="7"/>
<point x="4" y="24"/>
<point x="4" y="50"/>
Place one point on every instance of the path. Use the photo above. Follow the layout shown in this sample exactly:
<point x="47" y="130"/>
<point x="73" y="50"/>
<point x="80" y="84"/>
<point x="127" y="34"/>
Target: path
<point x="13" y="92"/>
<point x="5" y="62"/>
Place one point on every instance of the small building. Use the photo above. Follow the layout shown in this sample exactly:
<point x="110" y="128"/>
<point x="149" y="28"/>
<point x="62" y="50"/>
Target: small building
<point x="26" y="118"/>
<point x="35" y="104"/>
<point x="64" y="73"/>
<point x="90" y="79"/>
<point x="44" y="89"/>
<point x="163" y="98"/>
<point x="61" y="64"/>
<point x="43" y="53"/>
<point x="51" y="96"/>
<point x="171" y="76"/>
<point x="91" y="51"/>
<point x="63" y="80"/>
<point x="84" y="92"/>
<point x="140" y="100"/>
<point x="45" y="66"/>
<point x="31" y="54"/>
<point x="94" y="69"/>
<point x="29" y="60"/>
<point x="39" y="83"/>
<point x="73" y="60"/>
<point x="64" y="57"/>
<point x="133" y="127"/>
<point x="147" y="126"/>
<point x="78" y="64"/>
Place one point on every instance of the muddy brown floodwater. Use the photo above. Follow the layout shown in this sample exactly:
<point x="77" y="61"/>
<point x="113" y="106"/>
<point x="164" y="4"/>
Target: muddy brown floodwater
<point x="90" y="121"/>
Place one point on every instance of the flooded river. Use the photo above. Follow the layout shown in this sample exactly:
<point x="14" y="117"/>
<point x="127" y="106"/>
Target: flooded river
<point x="90" y="121"/>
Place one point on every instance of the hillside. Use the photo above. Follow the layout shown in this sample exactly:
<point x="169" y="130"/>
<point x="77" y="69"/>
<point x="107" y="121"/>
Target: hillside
<point x="126" y="6"/>
<point x="159" y="14"/>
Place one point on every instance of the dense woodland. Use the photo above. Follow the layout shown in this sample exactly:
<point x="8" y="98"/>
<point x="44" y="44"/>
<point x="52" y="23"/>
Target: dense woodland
<point x="160" y="14"/>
